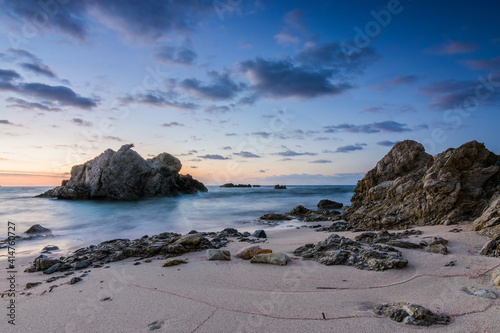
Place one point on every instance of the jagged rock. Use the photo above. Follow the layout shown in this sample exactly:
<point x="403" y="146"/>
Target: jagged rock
<point x="83" y="264"/>
<point x="337" y="250"/>
<point x="239" y="185"/>
<point x="496" y="278"/>
<point x="125" y="175"/>
<point x="52" y="269"/>
<point x="411" y="314"/>
<point x="49" y="248"/>
<point x="480" y="292"/>
<point x="436" y="248"/>
<point x="277" y="217"/>
<point x="37" y="229"/>
<point x="75" y="280"/>
<point x="328" y="204"/>
<point x="410" y="187"/>
<point x="190" y="239"/>
<point x="490" y="248"/>
<point x="299" y="211"/>
<point x="280" y="187"/>
<point x="280" y="259"/>
<point x="488" y="224"/>
<point x="174" y="262"/>
<point x="217" y="254"/>
<point x="259" y="234"/>
<point x="42" y="263"/>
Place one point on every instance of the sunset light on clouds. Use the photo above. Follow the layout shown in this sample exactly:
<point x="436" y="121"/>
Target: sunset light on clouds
<point x="263" y="92"/>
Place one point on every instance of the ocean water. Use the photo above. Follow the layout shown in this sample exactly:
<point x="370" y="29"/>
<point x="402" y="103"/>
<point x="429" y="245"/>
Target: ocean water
<point x="82" y="223"/>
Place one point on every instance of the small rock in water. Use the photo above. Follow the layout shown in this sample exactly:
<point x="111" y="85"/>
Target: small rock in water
<point x="259" y="234"/>
<point x="275" y="217"/>
<point x="328" y="204"/>
<point x="49" y="248"/>
<point x="174" y="262"/>
<point x="30" y="285"/>
<point x="280" y="259"/>
<point x="36" y="229"/>
<point x="75" y="280"/>
<point x="217" y="254"/>
<point x="480" y="292"/>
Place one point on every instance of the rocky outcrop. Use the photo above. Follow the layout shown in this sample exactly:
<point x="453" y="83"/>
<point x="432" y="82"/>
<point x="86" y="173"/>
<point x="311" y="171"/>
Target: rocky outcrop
<point x="410" y="187"/>
<point x="125" y="175"/>
<point x="337" y="250"/>
<point x="412" y="314"/>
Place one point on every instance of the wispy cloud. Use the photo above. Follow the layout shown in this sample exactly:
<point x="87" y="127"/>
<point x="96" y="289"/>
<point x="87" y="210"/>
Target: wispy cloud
<point x="384" y="126"/>
<point x="350" y="148"/>
<point x="214" y="157"/>
<point x="483" y="64"/>
<point x="220" y="87"/>
<point x="387" y="143"/>
<point x="247" y="154"/>
<point x="172" y="124"/>
<point x="321" y="161"/>
<point x="291" y="153"/>
<point x="81" y="122"/>
<point x="158" y="99"/>
<point x="453" y="47"/>
<point x="178" y="56"/>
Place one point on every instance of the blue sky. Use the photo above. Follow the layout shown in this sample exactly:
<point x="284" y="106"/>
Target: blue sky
<point x="296" y="92"/>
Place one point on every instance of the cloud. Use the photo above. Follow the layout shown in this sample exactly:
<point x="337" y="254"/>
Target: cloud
<point x="214" y="157"/>
<point x="7" y="75"/>
<point x="215" y="109"/>
<point x="291" y="153"/>
<point x="227" y="148"/>
<point x="139" y="21"/>
<point x="158" y="99"/>
<point x="321" y="161"/>
<point x="114" y="138"/>
<point x="60" y="94"/>
<point x="5" y="122"/>
<point x="294" y="18"/>
<point x="23" y="104"/>
<point x="483" y="64"/>
<point x="374" y="109"/>
<point x="193" y="167"/>
<point x="81" y="122"/>
<point x="221" y="87"/>
<point x="314" y="179"/>
<point x="263" y="134"/>
<point x="453" y="47"/>
<point x="286" y="39"/>
<point x="39" y="69"/>
<point x="350" y="148"/>
<point x="452" y="94"/>
<point x="247" y="154"/>
<point x="332" y="55"/>
<point x="179" y="56"/>
<point x="231" y="134"/>
<point x="262" y="171"/>
<point x="282" y="79"/>
<point x="387" y="143"/>
<point x="18" y="53"/>
<point x="384" y="126"/>
<point x="321" y="138"/>
<point x="173" y="124"/>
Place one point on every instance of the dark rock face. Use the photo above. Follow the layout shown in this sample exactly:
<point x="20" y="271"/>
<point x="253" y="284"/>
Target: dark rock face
<point x="275" y="217"/>
<point x="125" y="175"/>
<point x="337" y="250"/>
<point x="412" y="314"/>
<point x="410" y="187"/>
<point x="234" y="185"/>
<point x="37" y="229"/>
<point x="280" y="187"/>
<point x="328" y="204"/>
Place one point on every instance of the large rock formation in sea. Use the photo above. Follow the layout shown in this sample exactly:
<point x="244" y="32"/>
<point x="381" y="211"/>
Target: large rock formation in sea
<point x="125" y="175"/>
<point x="410" y="187"/>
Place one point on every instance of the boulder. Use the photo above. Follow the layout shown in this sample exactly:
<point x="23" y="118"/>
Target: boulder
<point x="275" y="217"/>
<point x="37" y="229"/>
<point x="280" y="259"/>
<point x="259" y="234"/>
<point x="299" y="211"/>
<point x="217" y="254"/>
<point x="190" y="239"/>
<point x="410" y="187"/>
<point x="280" y="187"/>
<point x="248" y="252"/>
<point x="49" y="248"/>
<point x="411" y="314"/>
<point x="328" y="204"/>
<point x="174" y="262"/>
<point x="125" y="175"/>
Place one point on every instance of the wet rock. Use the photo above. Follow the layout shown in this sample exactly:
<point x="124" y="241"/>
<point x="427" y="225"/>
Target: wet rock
<point x="275" y="217"/>
<point x="42" y="263"/>
<point x="174" y="262"/>
<point x="337" y="250"/>
<point x="52" y="269"/>
<point x="410" y="187"/>
<point x="280" y="259"/>
<point x="190" y="239"/>
<point x="30" y="269"/>
<point x="411" y="314"/>
<point x="217" y="254"/>
<point x="298" y="211"/>
<point x="30" y="285"/>
<point x="328" y="204"/>
<point x="259" y="234"/>
<point x="75" y="280"/>
<point x="483" y="293"/>
<point x="37" y="229"/>
<point x="125" y="175"/>
<point x="280" y="187"/>
<point x="83" y="264"/>
<point x="49" y="248"/>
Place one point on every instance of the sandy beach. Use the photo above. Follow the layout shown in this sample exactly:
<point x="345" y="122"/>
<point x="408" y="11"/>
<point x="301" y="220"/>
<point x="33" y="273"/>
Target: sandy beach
<point x="237" y="296"/>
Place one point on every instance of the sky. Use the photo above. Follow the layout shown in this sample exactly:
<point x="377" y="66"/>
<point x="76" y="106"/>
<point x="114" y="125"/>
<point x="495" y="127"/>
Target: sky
<point x="261" y="92"/>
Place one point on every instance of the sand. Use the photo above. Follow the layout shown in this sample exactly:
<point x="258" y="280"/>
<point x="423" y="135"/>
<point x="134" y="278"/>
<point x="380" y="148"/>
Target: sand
<point x="237" y="296"/>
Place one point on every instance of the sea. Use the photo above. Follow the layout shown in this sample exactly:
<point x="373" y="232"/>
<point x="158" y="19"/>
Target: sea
<point x="81" y="223"/>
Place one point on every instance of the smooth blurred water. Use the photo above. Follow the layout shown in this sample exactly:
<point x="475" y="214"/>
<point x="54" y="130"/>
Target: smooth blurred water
<point x="81" y="223"/>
